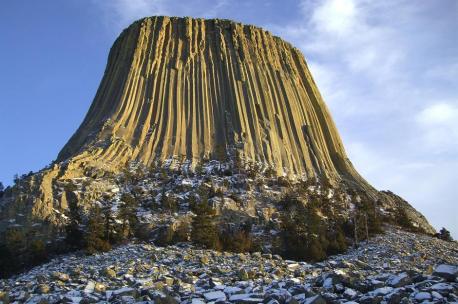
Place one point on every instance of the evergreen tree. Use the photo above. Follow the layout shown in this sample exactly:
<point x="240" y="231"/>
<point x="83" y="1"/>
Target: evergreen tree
<point x="220" y="154"/>
<point x="168" y="202"/>
<point x="2" y="189"/>
<point x="74" y="234"/>
<point x="128" y="215"/>
<point x="204" y="231"/>
<point x="181" y="233"/>
<point x="445" y="235"/>
<point x="38" y="252"/>
<point x="111" y="233"/>
<point x="403" y="220"/>
<point x="302" y="231"/>
<point x="337" y="241"/>
<point x="238" y="240"/>
<point x="366" y="219"/>
<point x="96" y="235"/>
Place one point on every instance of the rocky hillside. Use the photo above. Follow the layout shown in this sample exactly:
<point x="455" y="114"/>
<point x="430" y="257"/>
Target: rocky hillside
<point x="397" y="267"/>
<point x="208" y="131"/>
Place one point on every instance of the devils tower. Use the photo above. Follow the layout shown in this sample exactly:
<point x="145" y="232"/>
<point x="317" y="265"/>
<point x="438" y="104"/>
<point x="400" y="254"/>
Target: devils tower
<point x="191" y="89"/>
<point x="187" y="103"/>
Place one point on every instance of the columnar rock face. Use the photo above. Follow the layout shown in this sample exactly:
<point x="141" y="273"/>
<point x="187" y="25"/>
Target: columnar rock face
<point x="178" y="92"/>
<point x="192" y="89"/>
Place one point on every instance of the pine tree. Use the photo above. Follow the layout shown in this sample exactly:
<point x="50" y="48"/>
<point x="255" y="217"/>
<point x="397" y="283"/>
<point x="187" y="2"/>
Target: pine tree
<point x="204" y="231"/>
<point x="128" y="215"/>
<point x="111" y="234"/>
<point x="445" y="235"/>
<point x="303" y="234"/>
<point x="168" y="202"/>
<point x="220" y="154"/>
<point x="2" y="189"/>
<point x="403" y="220"/>
<point x="337" y="241"/>
<point x="38" y="252"/>
<point x="74" y="234"/>
<point x="96" y="235"/>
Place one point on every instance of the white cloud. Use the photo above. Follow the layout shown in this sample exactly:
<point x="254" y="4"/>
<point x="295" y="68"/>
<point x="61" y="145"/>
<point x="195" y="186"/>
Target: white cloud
<point x="345" y="29"/>
<point x="439" y="125"/>
<point x="443" y="113"/>
<point x="335" y="16"/>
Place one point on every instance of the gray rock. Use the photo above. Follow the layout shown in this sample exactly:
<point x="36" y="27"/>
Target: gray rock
<point x="89" y="288"/>
<point x="448" y="272"/>
<point x="215" y="295"/>
<point x="382" y="291"/>
<point x="125" y="291"/>
<point x="246" y="298"/>
<point x="315" y="300"/>
<point x="422" y="296"/>
<point x="399" y="280"/>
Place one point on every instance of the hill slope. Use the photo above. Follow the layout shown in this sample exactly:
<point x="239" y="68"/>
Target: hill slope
<point x="210" y="112"/>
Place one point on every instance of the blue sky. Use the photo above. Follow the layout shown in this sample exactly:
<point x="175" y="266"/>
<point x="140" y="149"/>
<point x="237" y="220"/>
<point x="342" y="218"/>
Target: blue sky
<point x="387" y="69"/>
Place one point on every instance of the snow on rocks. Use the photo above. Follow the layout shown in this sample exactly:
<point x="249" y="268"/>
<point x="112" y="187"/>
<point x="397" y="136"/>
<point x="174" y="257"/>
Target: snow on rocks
<point x="396" y="267"/>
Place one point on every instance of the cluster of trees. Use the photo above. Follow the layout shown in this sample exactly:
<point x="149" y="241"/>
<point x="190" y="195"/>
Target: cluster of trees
<point x="204" y="228"/>
<point x="445" y="235"/>
<point x="309" y="230"/>
<point x="22" y="247"/>
<point x="101" y="230"/>
<point x="168" y="202"/>
<point x="402" y="219"/>
<point x="19" y="249"/>
<point x="365" y="221"/>
<point x="304" y="234"/>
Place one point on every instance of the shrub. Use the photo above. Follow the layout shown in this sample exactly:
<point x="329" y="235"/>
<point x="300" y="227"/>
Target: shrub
<point x="38" y="252"/>
<point x="403" y="220"/>
<point x="96" y="235"/>
<point x="169" y="235"/>
<point x="182" y="232"/>
<point x="143" y="232"/>
<point x="168" y="202"/>
<point x="74" y="234"/>
<point x="445" y="235"/>
<point x="128" y="215"/>
<point x="302" y="232"/>
<point x="204" y="231"/>
<point x="236" y="241"/>
<point x="128" y="199"/>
